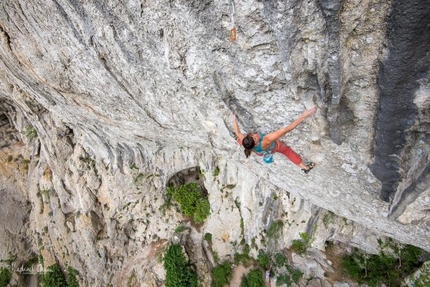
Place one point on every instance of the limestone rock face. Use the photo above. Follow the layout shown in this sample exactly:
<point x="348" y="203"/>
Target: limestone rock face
<point x="102" y="102"/>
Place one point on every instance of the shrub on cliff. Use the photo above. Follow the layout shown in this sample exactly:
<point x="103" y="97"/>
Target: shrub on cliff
<point x="253" y="279"/>
<point x="178" y="270"/>
<point x="71" y="277"/>
<point x="390" y="266"/>
<point x="191" y="201"/>
<point x="5" y="276"/>
<point x="53" y="277"/>
<point x="221" y="275"/>
<point x="302" y="245"/>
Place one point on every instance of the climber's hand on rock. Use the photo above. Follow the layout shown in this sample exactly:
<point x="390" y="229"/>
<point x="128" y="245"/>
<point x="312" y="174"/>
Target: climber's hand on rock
<point x="310" y="111"/>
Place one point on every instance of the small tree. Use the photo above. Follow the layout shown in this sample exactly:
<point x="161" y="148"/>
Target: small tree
<point x="178" y="271"/>
<point x="301" y="245"/>
<point x="53" y="277"/>
<point x="263" y="260"/>
<point x="390" y="266"/>
<point x="5" y="276"/>
<point x="275" y="229"/>
<point x="71" y="277"/>
<point x="253" y="279"/>
<point x="191" y="201"/>
<point x="221" y="275"/>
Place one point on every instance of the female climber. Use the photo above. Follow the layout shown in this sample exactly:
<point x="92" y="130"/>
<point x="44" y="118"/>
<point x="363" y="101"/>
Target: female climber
<point x="267" y="144"/>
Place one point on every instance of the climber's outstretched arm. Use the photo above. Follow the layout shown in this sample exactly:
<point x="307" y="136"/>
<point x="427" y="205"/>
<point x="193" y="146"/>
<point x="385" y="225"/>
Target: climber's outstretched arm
<point x="239" y="135"/>
<point x="279" y="133"/>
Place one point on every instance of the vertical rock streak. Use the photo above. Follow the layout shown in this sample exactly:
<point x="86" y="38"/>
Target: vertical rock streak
<point x="331" y="10"/>
<point x="407" y="62"/>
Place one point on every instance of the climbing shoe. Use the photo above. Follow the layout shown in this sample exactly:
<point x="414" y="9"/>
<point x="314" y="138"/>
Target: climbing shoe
<point x="309" y="166"/>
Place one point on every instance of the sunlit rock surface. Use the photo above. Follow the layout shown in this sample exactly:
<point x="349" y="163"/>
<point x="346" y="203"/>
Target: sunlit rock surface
<point x="102" y="102"/>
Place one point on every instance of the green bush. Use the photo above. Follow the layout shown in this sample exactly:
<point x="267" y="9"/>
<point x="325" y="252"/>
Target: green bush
<point x="208" y="237"/>
<point x="180" y="228"/>
<point x="71" y="277"/>
<point x="253" y="279"/>
<point x="275" y="228"/>
<point x="302" y="245"/>
<point x="203" y="210"/>
<point x="221" y="275"/>
<point x="243" y="258"/>
<point x="53" y="277"/>
<point x="295" y="274"/>
<point x="30" y="132"/>
<point x="283" y="279"/>
<point x="263" y="260"/>
<point x="390" y="266"/>
<point x="5" y="276"/>
<point x="216" y="172"/>
<point x="329" y="218"/>
<point x="178" y="271"/>
<point x="190" y="200"/>
<point x="291" y="275"/>
<point x="280" y="260"/>
<point x="30" y="263"/>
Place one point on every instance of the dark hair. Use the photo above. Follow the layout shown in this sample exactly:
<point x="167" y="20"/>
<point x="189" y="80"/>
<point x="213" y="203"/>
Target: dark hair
<point x="248" y="143"/>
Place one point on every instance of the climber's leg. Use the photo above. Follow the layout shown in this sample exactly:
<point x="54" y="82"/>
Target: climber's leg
<point x="293" y="156"/>
<point x="289" y="153"/>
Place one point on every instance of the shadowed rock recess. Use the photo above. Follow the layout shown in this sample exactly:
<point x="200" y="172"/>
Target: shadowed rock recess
<point x="103" y="102"/>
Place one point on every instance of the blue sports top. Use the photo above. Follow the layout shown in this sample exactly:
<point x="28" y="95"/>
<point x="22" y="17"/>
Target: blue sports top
<point x="259" y="149"/>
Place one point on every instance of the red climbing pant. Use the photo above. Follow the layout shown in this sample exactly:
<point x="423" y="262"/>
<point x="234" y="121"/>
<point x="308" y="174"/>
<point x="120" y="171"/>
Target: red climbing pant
<point x="288" y="152"/>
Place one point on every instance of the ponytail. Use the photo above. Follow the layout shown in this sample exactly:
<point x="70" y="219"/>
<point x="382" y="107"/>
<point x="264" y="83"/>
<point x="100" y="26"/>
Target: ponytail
<point x="247" y="152"/>
<point x="248" y="143"/>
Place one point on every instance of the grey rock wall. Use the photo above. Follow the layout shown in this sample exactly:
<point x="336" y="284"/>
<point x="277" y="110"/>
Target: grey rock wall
<point x="105" y="101"/>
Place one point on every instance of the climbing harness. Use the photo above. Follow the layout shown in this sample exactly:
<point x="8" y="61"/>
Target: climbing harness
<point x="268" y="156"/>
